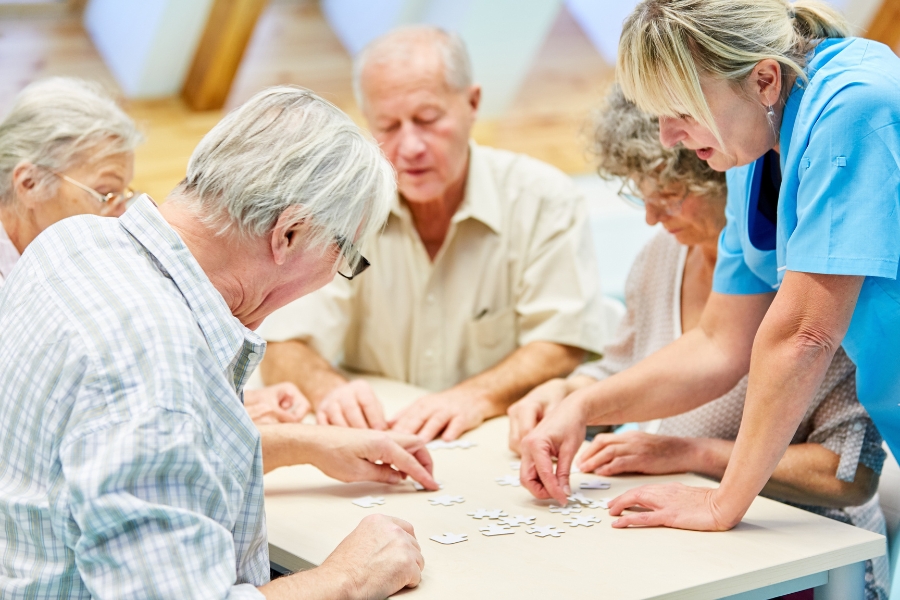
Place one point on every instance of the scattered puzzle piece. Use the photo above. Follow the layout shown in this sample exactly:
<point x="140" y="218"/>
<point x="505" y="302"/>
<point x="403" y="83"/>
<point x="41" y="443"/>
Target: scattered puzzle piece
<point x="599" y="484"/>
<point x="421" y="488"/>
<point x="446" y="500"/>
<point x="517" y="520"/>
<point x="494" y="529"/>
<point x="579" y="498"/>
<point x="565" y="510"/>
<point x="596" y="504"/>
<point x="492" y="513"/>
<point x="368" y="501"/>
<point x="450" y="538"/>
<point x="579" y="520"/>
<point x="508" y="480"/>
<point x="603" y="503"/>
<point x="442" y="445"/>
<point x="544" y="530"/>
<point x="574" y="469"/>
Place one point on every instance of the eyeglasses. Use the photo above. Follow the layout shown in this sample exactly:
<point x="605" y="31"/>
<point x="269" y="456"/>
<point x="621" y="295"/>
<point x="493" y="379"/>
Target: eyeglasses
<point x="113" y="197"/>
<point x="352" y="263"/>
<point x="630" y="194"/>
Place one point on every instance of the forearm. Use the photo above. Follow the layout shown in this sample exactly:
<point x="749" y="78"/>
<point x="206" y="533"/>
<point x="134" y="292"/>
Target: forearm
<point x="804" y="475"/>
<point x="527" y="367"/>
<point x="286" y="444"/>
<point x="296" y="362"/>
<point x="314" y="584"/>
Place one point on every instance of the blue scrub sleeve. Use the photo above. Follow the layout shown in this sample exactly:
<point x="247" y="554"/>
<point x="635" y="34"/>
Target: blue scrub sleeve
<point x="848" y="216"/>
<point x="732" y="275"/>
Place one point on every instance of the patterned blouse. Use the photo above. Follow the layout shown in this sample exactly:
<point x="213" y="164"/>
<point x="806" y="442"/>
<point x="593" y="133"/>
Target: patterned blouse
<point x="835" y="418"/>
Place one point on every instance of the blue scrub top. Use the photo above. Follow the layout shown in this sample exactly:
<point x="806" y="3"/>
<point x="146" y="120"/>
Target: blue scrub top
<point x="838" y="208"/>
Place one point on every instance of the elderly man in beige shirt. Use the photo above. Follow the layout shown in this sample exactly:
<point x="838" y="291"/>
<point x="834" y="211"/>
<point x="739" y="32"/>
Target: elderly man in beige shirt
<point x="483" y="283"/>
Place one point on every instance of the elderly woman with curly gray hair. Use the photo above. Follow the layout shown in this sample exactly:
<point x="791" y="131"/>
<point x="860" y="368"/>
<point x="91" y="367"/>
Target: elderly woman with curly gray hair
<point x="833" y="463"/>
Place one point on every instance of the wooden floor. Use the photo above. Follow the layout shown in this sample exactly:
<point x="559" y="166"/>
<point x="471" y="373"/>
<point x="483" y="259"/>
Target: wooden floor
<point x="293" y="44"/>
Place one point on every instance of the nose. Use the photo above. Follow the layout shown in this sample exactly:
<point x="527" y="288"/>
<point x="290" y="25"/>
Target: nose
<point x="652" y="214"/>
<point x="670" y="131"/>
<point x="411" y="143"/>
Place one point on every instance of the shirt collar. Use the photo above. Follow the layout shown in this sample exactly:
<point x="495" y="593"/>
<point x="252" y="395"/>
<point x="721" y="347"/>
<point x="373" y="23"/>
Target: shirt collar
<point x="9" y="255"/>
<point x="237" y="349"/>
<point x="480" y="202"/>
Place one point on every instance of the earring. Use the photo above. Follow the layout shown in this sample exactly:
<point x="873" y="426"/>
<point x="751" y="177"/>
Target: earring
<point x="770" y="114"/>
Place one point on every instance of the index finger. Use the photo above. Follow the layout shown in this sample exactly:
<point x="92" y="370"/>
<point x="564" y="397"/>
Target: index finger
<point x="639" y="496"/>
<point x="404" y="525"/>
<point x="371" y="408"/>
<point x="407" y="463"/>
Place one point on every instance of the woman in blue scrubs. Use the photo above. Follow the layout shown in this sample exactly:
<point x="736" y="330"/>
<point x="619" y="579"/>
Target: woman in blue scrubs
<point x="807" y="123"/>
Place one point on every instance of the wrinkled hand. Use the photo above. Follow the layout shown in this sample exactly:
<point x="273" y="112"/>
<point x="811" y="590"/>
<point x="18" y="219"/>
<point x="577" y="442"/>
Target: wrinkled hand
<point x="525" y="414"/>
<point x="558" y="436"/>
<point x="637" y="452"/>
<point x="280" y="403"/>
<point x="352" y="405"/>
<point x="354" y="455"/>
<point x="452" y="412"/>
<point x="380" y="557"/>
<point x="672" y="505"/>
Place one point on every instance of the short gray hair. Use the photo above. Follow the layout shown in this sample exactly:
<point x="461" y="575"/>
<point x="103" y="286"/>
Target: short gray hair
<point x="626" y="144"/>
<point x="405" y="42"/>
<point x="287" y="149"/>
<point x="58" y="123"/>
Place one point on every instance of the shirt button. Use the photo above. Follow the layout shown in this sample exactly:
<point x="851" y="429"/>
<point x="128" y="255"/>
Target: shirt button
<point x="429" y="354"/>
<point x="857" y="426"/>
<point x="430" y="298"/>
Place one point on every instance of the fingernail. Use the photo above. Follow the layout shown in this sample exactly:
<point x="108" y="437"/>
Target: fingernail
<point x="567" y="490"/>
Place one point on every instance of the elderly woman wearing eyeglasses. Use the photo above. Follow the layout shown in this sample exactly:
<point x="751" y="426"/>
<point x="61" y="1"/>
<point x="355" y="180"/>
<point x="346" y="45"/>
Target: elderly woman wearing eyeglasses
<point x="833" y="463"/>
<point x="65" y="149"/>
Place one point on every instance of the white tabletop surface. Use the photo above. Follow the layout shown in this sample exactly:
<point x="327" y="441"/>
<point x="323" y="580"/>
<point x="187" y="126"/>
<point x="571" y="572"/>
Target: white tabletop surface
<point x="308" y="514"/>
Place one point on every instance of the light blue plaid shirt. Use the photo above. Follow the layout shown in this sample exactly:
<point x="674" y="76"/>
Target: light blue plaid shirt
<point x="129" y="466"/>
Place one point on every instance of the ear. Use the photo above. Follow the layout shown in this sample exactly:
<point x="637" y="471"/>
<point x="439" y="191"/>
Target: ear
<point x="474" y="99"/>
<point x="766" y="81"/>
<point x="288" y="237"/>
<point x="25" y="183"/>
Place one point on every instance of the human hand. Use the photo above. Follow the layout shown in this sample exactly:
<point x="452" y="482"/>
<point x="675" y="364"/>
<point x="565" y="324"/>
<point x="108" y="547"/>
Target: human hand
<point x="366" y="455"/>
<point x="279" y="403"/>
<point x="380" y="557"/>
<point x="673" y="505"/>
<point x="525" y="414"/>
<point x="453" y="412"/>
<point x="352" y="405"/>
<point x="558" y="436"/>
<point x="638" y="452"/>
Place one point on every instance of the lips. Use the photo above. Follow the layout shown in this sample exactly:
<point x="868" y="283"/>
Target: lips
<point x="704" y="153"/>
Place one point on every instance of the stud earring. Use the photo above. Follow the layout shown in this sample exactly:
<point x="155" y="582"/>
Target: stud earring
<point x="770" y="114"/>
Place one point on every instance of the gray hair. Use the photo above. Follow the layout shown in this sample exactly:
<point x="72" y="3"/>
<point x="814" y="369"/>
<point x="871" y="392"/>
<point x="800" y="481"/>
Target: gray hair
<point x="287" y="149"/>
<point x="58" y="123"/>
<point x="626" y="144"/>
<point x="406" y="42"/>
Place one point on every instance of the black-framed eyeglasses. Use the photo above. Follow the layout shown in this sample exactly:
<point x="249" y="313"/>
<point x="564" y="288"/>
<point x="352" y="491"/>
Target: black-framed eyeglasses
<point x="352" y="262"/>
<point x="630" y="194"/>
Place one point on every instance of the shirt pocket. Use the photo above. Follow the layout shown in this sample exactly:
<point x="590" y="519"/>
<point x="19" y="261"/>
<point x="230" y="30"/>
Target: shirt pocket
<point x="490" y="339"/>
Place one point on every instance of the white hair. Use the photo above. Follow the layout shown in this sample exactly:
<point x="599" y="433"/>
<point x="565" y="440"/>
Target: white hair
<point x="58" y="123"/>
<point x="405" y="43"/>
<point x="287" y="149"/>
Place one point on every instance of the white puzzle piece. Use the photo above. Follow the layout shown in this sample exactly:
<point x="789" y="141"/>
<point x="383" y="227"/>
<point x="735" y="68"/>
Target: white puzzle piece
<point x="602" y="503"/>
<point x="484" y="513"/>
<point x="515" y="465"/>
<point x="442" y="445"/>
<point x="544" y="530"/>
<point x="450" y="538"/>
<point x="579" y="498"/>
<point x="588" y="521"/>
<point x="599" y="484"/>
<point x="421" y="488"/>
<point x="517" y="520"/>
<point x="508" y="480"/>
<point x="565" y="510"/>
<point x="494" y="529"/>
<point x="574" y="469"/>
<point x="368" y="501"/>
<point x="446" y="500"/>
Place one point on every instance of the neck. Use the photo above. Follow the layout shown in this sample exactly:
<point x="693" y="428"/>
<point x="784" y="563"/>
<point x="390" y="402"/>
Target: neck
<point x="709" y="251"/>
<point x="19" y="226"/>
<point x="235" y="275"/>
<point x="432" y="218"/>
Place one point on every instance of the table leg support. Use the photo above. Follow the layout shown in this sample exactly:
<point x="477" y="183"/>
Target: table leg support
<point x="844" y="583"/>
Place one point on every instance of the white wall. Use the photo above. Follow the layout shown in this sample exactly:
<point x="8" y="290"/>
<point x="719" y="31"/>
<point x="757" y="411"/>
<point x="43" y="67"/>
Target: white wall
<point x="147" y="44"/>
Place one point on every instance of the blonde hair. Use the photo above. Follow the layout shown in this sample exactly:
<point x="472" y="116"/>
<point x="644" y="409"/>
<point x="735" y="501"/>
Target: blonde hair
<point x="667" y="45"/>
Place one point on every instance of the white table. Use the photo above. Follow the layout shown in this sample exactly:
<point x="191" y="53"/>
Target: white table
<point x="776" y="550"/>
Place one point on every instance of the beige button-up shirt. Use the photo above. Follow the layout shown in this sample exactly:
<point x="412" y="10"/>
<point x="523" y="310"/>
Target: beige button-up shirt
<point x="517" y="266"/>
